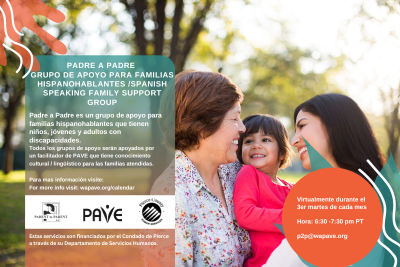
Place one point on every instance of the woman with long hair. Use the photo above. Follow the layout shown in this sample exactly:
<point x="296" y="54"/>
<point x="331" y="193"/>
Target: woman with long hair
<point x="335" y="126"/>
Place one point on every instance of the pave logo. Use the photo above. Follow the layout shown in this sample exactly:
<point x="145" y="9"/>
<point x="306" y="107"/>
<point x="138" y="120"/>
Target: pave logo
<point x="151" y="211"/>
<point x="51" y="212"/>
<point x="103" y="213"/>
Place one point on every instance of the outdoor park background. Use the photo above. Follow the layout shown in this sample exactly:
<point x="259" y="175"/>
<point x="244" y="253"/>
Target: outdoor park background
<point x="280" y="53"/>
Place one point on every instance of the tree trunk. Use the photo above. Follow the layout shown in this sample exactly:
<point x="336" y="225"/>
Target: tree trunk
<point x="159" y="31"/>
<point x="8" y="152"/>
<point x="15" y="96"/>
<point x="180" y="48"/>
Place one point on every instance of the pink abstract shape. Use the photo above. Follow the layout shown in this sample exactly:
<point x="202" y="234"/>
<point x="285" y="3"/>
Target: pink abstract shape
<point x="23" y="11"/>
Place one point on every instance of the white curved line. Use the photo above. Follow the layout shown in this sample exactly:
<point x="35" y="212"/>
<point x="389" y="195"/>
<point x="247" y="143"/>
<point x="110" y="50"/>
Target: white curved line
<point x="391" y="252"/>
<point x="30" y="53"/>
<point x="12" y="19"/>
<point x="391" y="192"/>
<point x="20" y="57"/>
<point x="384" y="207"/>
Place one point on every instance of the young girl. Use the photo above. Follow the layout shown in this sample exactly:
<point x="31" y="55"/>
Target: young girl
<point x="259" y="195"/>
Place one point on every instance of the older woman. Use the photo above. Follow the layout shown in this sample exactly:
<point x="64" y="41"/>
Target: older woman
<point x="207" y="127"/>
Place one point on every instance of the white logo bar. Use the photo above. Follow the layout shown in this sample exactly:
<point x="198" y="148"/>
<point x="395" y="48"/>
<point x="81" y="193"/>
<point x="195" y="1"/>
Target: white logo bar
<point x="99" y="212"/>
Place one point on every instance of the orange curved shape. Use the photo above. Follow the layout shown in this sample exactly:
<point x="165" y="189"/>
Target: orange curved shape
<point x="23" y="11"/>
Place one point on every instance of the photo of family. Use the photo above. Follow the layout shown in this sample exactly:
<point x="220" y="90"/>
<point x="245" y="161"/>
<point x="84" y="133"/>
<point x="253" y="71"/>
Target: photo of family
<point x="256" y="83"/>
<point x="228" y="193"/>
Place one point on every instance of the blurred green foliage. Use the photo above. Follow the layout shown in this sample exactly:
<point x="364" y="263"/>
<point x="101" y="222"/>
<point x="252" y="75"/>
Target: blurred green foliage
<point x="279" y="82"/>
<point x="12" y="219"/>
<point x="292" y="177"/>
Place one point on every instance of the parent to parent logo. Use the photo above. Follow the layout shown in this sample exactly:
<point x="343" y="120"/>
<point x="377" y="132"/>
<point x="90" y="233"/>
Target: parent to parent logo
<point x="151" y="211"/>
<point x="51" y="212"/>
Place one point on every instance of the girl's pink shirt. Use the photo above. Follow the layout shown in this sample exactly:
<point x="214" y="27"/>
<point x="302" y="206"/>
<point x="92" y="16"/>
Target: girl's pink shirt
<point x="258" y="204"/>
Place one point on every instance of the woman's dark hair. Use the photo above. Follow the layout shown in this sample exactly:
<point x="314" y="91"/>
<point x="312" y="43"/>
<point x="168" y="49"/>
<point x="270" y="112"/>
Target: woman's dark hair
<point x="350" y="134"/>
<point x="271" y="126"/>
<point x="201" y="101"/>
